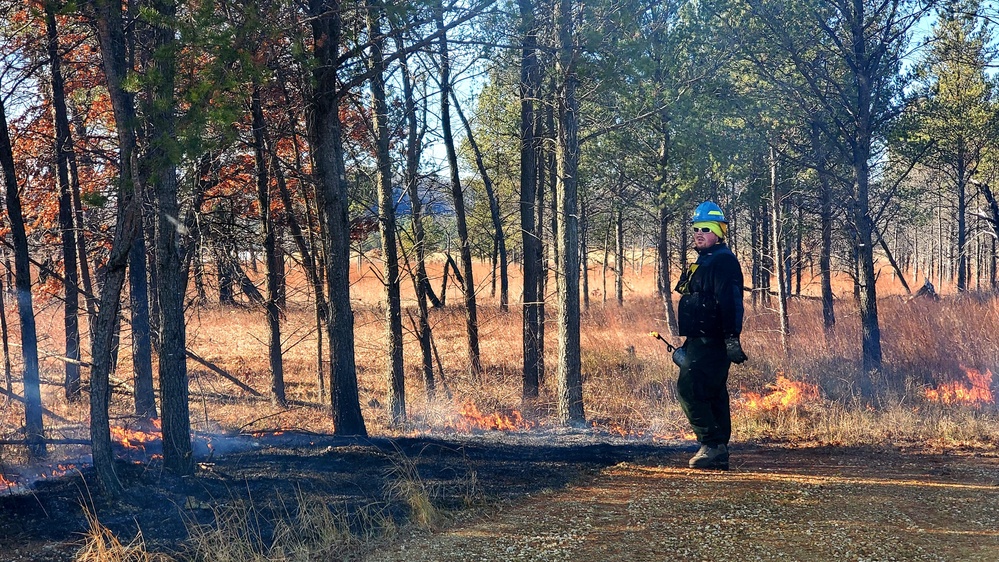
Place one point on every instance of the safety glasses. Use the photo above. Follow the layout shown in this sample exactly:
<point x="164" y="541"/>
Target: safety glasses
<point x="702" y="229"/>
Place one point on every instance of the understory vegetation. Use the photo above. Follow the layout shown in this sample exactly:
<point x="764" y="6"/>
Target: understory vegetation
<point x="934" y="395"/>
<point x="936" y="387"/>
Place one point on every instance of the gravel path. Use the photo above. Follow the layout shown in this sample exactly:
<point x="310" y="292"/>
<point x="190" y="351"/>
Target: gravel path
<point x="776" y="504"/>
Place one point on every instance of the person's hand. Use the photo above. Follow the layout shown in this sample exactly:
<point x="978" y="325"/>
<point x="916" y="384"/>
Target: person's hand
<point x="734" y="350"/>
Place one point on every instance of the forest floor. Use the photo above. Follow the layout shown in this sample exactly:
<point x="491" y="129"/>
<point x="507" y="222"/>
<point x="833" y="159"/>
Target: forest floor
<point x="553" y="495"/>
<point x="775" y="504"/>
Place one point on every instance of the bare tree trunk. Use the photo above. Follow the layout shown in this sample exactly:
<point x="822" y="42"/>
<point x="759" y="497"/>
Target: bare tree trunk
<point x="325" y="132"/>
<point x="584" y="254"/>
<point x="468" y="287"/>
<point x="962" y="223"/>
<point x="769" y="263"/>
<point x="208" y="176"/>
<point x="386" y="218"/>
<point x="607" y="234"/>
<point x="322" y="306"/>
<point x="177" y="453"/>
<point x="777" y="236"/>
<point x="5" y="341"/>
<point x="142" y="350"/>
<point x="800" y="261"/>
<point x="111" y="35"/>
<point x="63" y="148"/>
<point x="547" y="266"/>
<point x="33" y="427"/>
<point x="619" y="250"/>
<point x="826" y="221"/>
<point x="664" y="281"/>
<point x="870" y="326"/>
<point x="894" y="264"/>
<point x="530" y="86"/>
<point x="756" y="243"/>
<point x="271" y="308"/>
<point x="570" y="384"/>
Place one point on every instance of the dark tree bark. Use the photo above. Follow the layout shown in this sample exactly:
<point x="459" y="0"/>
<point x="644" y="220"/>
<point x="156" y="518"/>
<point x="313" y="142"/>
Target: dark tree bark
<point x="544" y="134"/>
<point x="865" y="76"/>
<point x="570" y="383"/>
<point x="226" y="273"/>
<point x="664" y="280"/>
<point x="386" y="218"/>
<point x="111" y="35"/>
<point x="63" y="148"/>
<point x="584" y="253"/>
<point x="271" y="266"/>
<point x="756" y="243"/>
<point x="963" y="264"/>
<point x="530" y="87"/>
<point x="33" y="427"/>
<point x="177" y="452"/>
<point x="149" y="235"/>
<point x="619" y="241"/>
<point x="826" y="222"/>
<point x="142" y="349"/>
<point x="798" y="251"/>
<point x="5" y="341"/>
<point x="325" y="131"/>
<point x="468" y="287"/>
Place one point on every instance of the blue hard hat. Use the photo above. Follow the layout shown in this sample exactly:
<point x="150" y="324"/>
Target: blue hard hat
<point x="707" y="212"/>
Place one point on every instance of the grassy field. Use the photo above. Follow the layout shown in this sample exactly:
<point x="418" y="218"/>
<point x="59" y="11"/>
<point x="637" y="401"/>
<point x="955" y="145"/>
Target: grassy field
<point x="935" y="391"/>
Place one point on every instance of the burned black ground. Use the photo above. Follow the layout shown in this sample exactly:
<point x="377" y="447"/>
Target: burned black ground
<point x="275" y="470"/>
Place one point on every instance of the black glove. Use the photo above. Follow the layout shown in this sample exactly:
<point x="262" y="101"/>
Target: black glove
<point x="734" y="350"/>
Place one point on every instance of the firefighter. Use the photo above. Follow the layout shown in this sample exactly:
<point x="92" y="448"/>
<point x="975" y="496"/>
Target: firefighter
<point x="710" y="317"/>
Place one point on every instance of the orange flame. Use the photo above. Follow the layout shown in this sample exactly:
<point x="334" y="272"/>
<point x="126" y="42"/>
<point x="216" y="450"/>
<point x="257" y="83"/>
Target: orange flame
<point x="614" y="428"/>
<point x="472" y="418"/>
<point x="977" y="390"/>
<point x="136" y="440"/>
<point x="785" y="394"/>
<point x="132" y="439"/>
<point x="57" y="471"/>
<point x="12" y="486"/>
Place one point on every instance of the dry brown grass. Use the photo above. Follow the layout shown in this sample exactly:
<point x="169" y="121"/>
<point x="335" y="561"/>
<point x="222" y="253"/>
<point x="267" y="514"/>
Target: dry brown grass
<point x="101" y="545"/>
<point x="311" y="527"/>
<point x="628" y="378"/>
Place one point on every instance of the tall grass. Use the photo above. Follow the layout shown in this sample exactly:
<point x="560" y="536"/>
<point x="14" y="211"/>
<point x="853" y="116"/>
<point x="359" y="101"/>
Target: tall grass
<point x="101" y="545"/>
<point x="311" y="528"/>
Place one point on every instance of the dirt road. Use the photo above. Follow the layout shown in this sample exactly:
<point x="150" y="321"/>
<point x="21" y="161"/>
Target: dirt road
<point x="775" y="504"/>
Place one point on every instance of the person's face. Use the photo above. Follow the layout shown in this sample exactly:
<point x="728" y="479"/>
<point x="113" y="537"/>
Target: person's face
<point x="704" y="240"/>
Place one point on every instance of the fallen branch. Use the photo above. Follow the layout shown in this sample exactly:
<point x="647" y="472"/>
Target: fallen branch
<point x="5" y="442"/>
<point x="218" y="371"/>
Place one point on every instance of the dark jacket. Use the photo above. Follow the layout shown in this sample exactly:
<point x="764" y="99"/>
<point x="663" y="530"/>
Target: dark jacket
<point x="711" y="301"/>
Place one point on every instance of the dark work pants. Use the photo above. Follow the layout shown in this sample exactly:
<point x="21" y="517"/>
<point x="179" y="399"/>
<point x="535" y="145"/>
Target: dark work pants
<point x="702" y="390"/>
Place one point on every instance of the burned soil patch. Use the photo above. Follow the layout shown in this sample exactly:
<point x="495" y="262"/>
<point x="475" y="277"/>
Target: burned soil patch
<point x="273" y="472"/>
